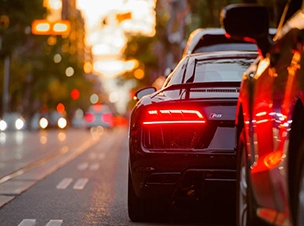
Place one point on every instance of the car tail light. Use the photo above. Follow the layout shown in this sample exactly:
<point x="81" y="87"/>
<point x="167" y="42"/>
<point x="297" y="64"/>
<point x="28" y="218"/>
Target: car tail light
<point x="173" y="116"/>
<point x="107" y="117"/>
<point x="89" y="117"/>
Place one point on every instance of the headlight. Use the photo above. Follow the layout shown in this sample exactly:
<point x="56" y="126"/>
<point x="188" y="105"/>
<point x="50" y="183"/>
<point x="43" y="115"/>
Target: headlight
<point x="43" y="123"/>
<point x="3" y="125"/>
<point x="62" y="123"/>
<point x="19" y="124"/>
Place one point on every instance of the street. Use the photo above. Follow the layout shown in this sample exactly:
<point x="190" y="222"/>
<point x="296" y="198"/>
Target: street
<point x="74" y="177"/>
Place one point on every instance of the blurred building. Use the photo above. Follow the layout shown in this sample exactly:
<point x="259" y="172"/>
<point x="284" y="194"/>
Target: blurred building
<point x="75" y="42"/>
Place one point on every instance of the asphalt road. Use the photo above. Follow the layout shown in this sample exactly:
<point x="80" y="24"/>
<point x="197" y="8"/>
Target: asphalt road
<point x="76" y="178"/>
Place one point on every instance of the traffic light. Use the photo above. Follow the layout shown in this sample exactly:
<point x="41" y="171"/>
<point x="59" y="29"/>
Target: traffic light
<point x="45" y="27"/>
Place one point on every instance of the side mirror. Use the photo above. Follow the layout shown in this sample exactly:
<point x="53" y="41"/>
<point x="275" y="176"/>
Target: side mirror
<point x="143" y="92"/>
<point x="248" y="22"/>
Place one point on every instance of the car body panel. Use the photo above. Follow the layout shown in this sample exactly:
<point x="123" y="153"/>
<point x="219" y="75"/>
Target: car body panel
<point x="269" y="94"/>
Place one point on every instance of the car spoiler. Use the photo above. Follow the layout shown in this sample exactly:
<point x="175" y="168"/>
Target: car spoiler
<point x="188" y="86"/>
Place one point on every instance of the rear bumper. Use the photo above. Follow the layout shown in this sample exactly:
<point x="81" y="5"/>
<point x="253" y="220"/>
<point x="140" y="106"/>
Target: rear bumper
<point x="178" y="176"/>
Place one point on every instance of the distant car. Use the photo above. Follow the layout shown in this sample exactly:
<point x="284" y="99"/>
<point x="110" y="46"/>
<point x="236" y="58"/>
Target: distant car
<point x="12" y="121"/>
<point x="52" y="119"/>
<point x="78" y="120"/>
<point x="270" y="117"/>
<point x="214" y="39"/>
<point x="99" y="115"/>
<point x="183" y="135"/>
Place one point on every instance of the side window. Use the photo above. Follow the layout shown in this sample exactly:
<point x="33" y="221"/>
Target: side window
<point x="176" y="76"/>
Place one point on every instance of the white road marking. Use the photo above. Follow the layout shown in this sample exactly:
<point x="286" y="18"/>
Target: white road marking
<point x="83" y="166"/>
<point x="94" y="166"/>
<point x="80" y="183"/>
<point x="102" y="156"/>
<point x="92" y="155"/>
<point x="54" y="223"/>
<point x="27" y="222"/>
<point x="64" y="183"/>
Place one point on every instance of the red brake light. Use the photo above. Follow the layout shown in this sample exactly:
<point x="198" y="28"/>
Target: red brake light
<point x="173" y="116"/>
<point x="89" y="117"/>
<point x="107" y="117"/>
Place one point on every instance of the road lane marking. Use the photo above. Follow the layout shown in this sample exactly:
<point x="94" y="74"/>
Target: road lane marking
<point x="54" y="223"/>
<point x="64" y="183"/>
<point x="94" y="166"/>
<point x="92" y="156"/>
<point x="83" y="166"/>
<point x="80" y="183"/>
<point x="102" y="156"/>
<point x="27" y="222"/>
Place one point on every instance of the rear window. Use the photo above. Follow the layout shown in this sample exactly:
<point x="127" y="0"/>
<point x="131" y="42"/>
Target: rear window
<point x="221" y="70"/>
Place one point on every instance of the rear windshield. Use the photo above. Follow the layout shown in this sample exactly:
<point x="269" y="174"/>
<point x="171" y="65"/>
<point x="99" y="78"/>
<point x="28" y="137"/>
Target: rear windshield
<point x="218" y="70"/>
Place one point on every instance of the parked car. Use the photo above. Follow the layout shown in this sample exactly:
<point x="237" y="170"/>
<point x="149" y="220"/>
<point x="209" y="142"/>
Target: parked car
<point x="270" y="117"/>
<point x="183" y="134"/>
<point x="214" y="39"/>
<point x="99" y="115"/>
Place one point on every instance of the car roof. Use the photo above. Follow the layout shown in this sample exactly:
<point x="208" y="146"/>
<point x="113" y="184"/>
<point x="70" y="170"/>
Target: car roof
<point x="223" y="54"/>
<point x="203" y="37"/>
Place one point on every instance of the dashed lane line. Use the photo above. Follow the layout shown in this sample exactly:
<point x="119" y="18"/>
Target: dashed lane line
<point x="54" y="223"/>
<point x="64" y="183"/>
<point x="32" y="222"/>
<point x="94" y="166"/>
<point x="83" y="166"/>
<point x="80" y="183"/>
<point x="27" y="222"/>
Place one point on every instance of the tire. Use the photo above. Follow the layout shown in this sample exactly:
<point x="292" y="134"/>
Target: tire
<point x="245" y="205"/>
<point x="300" y="206"/>
<point x="298" y="192"/>
<point x="143" y="210"/>
<point x="135" y="204"/>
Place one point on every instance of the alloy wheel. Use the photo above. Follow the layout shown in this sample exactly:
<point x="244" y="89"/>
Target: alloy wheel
<point x="242" y="194"/>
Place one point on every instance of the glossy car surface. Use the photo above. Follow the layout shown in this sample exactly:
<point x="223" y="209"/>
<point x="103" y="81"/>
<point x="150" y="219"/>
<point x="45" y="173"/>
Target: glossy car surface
<point x="183" y="135"/>
<point x="270" y="118"/>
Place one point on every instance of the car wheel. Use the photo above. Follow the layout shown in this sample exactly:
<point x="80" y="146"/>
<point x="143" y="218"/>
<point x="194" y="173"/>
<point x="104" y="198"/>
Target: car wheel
<point x="143" y="210"/>
<point x="300" y="216"/>
<point x="245" y="213"/>
<point x="297" y="194"/>
<point x="135" y="204"/>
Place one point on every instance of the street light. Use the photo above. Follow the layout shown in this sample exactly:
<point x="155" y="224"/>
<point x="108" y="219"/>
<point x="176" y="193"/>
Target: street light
<point x="45" y="27"/>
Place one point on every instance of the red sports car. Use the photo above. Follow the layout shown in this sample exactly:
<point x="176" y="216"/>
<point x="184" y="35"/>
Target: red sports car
<point x="270" y="117"/>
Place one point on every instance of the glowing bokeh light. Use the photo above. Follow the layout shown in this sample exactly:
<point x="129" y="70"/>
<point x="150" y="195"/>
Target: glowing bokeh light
<point x="69" y="72"/>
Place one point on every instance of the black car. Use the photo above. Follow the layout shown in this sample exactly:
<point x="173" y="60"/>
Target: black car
<point x="183" y="135"/>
